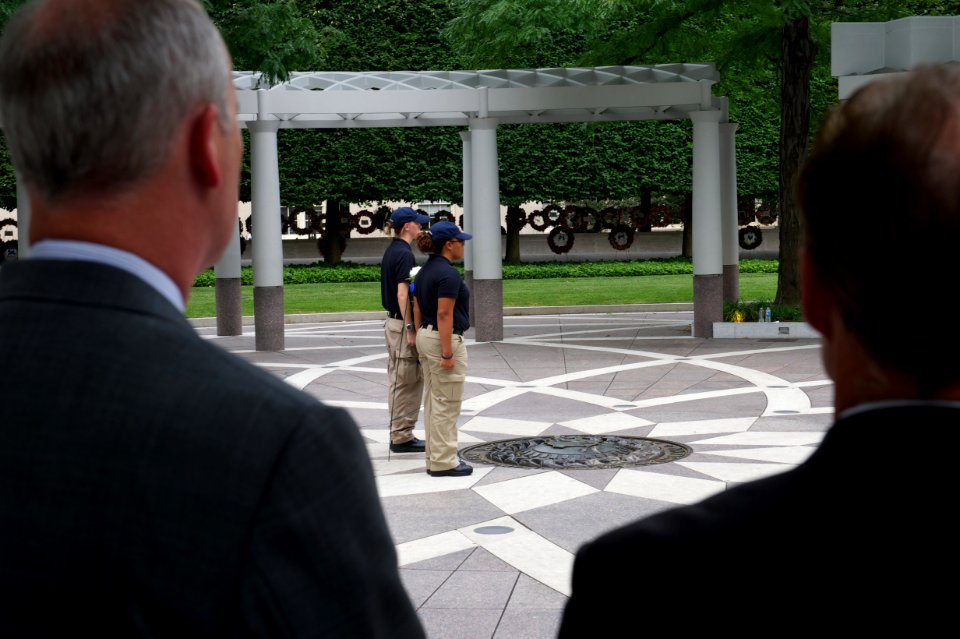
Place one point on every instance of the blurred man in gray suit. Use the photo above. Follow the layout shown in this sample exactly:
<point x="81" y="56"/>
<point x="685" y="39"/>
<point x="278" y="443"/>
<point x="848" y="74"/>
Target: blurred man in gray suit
<point x="152" y="484"/>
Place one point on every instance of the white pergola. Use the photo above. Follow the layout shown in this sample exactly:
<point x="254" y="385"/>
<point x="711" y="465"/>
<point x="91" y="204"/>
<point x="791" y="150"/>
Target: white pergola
<point x="479" y="101"/>
<point x="861" y="52"/>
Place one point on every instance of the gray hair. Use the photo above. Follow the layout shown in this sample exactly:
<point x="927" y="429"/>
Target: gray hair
<point x="92" y="90"/>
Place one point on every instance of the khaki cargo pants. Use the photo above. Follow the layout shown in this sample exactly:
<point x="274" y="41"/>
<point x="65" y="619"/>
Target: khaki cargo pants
<point x="442" y="396"/>
<point x="404" y="382"/>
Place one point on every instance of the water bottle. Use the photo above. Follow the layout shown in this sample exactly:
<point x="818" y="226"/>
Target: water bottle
<point x="761" y="317"/>
<point x="767" y="316"/>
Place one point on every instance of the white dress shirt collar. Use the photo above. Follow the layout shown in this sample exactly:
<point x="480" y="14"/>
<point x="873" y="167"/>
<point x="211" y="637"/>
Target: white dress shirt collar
<point x="90" y="252"/>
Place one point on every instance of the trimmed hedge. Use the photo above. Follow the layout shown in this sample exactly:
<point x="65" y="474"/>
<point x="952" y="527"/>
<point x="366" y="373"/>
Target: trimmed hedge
<point x="320" y="273"/>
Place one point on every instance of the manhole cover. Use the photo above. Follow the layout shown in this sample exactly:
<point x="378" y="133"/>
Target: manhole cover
<point x="576" y="452"/>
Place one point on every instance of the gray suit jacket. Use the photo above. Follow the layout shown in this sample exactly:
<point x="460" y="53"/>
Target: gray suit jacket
<point x="152" y="484"/>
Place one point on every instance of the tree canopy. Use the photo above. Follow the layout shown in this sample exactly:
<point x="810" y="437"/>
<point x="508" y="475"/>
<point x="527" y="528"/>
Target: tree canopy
<point x="777" y="46"/>
<point x="559" y="162"/>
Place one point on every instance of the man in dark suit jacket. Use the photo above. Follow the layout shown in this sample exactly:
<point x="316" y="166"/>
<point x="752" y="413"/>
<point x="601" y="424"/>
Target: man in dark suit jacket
<point x="150" y="483"/>
<point x="856" y="540"/>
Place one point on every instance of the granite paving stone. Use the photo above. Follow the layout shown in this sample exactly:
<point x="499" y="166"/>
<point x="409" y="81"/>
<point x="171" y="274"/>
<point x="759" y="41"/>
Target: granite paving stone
<point x="443" y="623"/>
<point x="531" y="594"/>
<point x="448" y="562"/>
<point x="416" y="516"/>
<point x="474" y="589"/>
<point x="478" y="567"/>
<point x="483" y="560"/>
<point x="529" y="623"/>
<point x="422" y="584"/>
<point x="570" y="524"/>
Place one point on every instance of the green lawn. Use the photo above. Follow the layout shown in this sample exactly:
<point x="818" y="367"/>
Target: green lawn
<point x="365" y="296"/>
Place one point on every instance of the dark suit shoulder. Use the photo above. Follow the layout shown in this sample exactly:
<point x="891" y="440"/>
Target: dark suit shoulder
<point x="834" y="541"/>
<point x="159" y="466"/>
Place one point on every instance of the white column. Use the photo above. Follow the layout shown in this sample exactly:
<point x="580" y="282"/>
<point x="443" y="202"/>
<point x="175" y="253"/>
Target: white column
<point x="228" y="296"/>
<point x="487" y="259"/>
<point x="729" y="218"/>
<point x="23" y="220"/>
<point x="707" y="239"/>
<point x="467" y="198"/>
<point x="468" y="216"/>
<point x="267" y="243"/>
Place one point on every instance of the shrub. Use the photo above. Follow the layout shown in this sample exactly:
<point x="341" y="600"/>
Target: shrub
<point x="320" y="273"/>
<point x="750" y="311"/>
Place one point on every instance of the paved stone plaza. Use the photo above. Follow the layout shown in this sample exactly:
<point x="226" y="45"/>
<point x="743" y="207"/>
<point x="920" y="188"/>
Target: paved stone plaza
<point x="490" y="555"/>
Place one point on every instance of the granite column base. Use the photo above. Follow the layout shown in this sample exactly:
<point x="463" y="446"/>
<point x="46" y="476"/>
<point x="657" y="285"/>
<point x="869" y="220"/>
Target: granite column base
<point x="707" y="304"/>
<point x="487" y="296"/>
<point x="229" y="309"/>
<point x="268" y="317"/>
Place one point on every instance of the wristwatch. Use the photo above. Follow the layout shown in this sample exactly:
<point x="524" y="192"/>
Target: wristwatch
<point x="442" y="356"/>
<point x="409" y="327"/>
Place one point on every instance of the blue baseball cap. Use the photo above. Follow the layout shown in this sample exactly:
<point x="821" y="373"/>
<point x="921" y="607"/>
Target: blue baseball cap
<point x="443" y="231"/>
<point x="405" y="214"/>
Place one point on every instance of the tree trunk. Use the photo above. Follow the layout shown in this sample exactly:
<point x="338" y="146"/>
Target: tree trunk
<point x="646" y="197"/>
<point x="330" y="242"/>
<point x="512" y="255"/>
<point x="796" y="59"/>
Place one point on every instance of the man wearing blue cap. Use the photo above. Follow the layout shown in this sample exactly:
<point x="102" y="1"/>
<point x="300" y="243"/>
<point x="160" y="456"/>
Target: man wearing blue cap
<point x="404" y="377"/>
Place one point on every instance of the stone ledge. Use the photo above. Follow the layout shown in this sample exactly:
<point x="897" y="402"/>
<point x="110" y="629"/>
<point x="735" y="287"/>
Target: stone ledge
<point x="305" y="318"/>
<point x="763" y="330"/>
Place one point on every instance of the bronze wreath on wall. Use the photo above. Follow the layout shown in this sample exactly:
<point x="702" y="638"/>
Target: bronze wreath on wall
<point x="750" y="237"/>
<point x="661" y="215"/>
<point x="586" y="220"/>
<point x="555" y="215"/>
<point x="558" y="216"/>
<point x="560" y="240"/>
<point x="365" y="222"/>
<point x="608" y="217"/>
<point x="538" y="220"/>
<point x="621" y="237"/>
<point x="440" y="216"/>
<point x="4" y="234"/>
<point x="308" y="220"/>
<point x="767" y="213"/>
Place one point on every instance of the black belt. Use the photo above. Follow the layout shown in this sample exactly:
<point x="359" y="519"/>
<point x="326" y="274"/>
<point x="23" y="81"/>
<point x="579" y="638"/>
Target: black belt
<point x="430" y="327"/>
<point x="396" y="316"/>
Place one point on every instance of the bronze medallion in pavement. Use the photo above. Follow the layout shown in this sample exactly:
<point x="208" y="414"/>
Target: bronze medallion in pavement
<point x="576" y="452"/>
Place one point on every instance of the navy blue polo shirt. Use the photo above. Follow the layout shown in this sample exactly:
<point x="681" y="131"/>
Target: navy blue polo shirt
<point x="439" y="279"/>
<point x="394" y="268"/>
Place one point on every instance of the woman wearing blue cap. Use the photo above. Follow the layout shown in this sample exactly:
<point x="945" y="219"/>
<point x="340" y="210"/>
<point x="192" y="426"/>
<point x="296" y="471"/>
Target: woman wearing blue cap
<point x="441" y="308"/>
